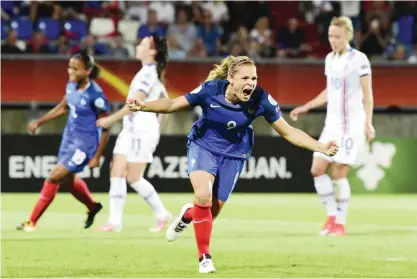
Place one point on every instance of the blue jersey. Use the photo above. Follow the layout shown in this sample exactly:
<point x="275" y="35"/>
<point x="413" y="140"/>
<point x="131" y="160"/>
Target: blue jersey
<point x="81" y="130"/>
<point x="226" y="129"/>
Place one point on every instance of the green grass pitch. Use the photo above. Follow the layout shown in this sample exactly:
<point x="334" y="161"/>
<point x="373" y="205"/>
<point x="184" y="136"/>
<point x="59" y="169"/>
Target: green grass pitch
<point x="257" y="235"/>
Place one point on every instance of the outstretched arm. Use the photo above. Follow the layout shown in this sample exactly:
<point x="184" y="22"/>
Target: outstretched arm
<point x="301" y="139"/>
<point x="165" y="105"/>
<point x="107" y="121"/>
<point x="56" y="112"/>
<point x="318" y="101"/>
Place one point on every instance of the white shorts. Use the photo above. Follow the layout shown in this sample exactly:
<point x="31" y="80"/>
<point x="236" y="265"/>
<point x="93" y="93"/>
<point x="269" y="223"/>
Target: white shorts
<point x="137" y="147"/>
<point x="350" y="144"/>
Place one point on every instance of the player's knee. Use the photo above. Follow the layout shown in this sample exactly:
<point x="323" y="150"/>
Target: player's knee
<point x="53" y="179"/>
<point x="339" y="172"/>
<point x="117" y="172"/>
<point x="66" y="182"/>
<point x="133" y="177"/>
<point x="130" y="179"/>
<point x="319" y="167"/>
<point x="203" y="196"/>
<point x="317" y="171"/>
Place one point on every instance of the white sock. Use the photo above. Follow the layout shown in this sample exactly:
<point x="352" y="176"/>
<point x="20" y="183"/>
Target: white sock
<point x="343" y="196"/>
<point x="149" y="194"/>
<point x="117" y="193"/>
<point x="325" y="190"/>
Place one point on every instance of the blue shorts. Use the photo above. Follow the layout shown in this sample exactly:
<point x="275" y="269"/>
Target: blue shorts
<point x="74" y="157"/>
<point x="225" y="170"/>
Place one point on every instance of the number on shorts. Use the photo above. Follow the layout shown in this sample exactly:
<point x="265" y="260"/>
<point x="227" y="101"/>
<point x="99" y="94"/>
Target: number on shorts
<point x="231" y="125"/>
<point x="78" y="157"/>
<point x="346" y="143"/>
<point x="135" y="145"/>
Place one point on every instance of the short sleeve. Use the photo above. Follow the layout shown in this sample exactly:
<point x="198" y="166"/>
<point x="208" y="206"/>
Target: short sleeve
<point x="326" y="67"/>
<point x="198" y="95"/>
<point x="364" y="65"/>
<point x="161" y="31"/>
<point x="142" y="32"/>
<point x="272" y="111"/>
<point x="101" y="104"/>
<point x="199" y="32"/>
<point x="144" y="80"/>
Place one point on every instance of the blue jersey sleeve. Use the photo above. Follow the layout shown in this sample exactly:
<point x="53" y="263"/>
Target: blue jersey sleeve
<point x="198" y="95"/>
<point x="100" y="103"/>
<point x="271" y="109"/>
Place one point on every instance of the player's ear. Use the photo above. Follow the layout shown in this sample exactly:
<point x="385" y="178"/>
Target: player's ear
<point x="89" y="71"/>
<point x="153" y="52"/>
<point x="230" y="79"/>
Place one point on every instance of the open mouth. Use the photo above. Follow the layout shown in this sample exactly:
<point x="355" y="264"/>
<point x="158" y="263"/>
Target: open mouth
<point x="247" y="92"/>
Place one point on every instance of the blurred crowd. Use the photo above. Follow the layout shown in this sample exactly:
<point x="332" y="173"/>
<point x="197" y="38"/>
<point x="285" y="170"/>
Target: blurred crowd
<point x="262" y="29"/>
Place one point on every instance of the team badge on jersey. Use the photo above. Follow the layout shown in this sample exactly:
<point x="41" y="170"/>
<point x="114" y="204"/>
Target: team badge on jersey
<point x="147" y="75"/>
<point x="99" y="103"/>
<point x="251" y="110"/>
<point x="272" y="100"/>
<point x="83" y="102"/>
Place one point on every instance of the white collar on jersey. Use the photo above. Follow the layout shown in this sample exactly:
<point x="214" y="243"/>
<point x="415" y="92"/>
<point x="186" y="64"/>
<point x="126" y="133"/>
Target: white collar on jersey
<point x="347" y="50"/>
<point x="83" y="90"/>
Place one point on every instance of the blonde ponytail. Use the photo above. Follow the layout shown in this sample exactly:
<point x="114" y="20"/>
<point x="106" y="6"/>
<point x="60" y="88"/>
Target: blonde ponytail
<point x="220" y="71"/>
<point x="228" y="67"/>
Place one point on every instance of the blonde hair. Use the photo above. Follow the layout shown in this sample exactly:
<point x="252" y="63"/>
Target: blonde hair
<point x="344" y="21"/>
<point x="228" y="66"/>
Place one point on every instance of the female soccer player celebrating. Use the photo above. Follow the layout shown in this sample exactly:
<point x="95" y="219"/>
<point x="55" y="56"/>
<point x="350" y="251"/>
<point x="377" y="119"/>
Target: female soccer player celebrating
<point x="348" y="121"/>
<point x="222" y="140"/>
<point x="82" y="143"/>
<point x="140" y="135"/>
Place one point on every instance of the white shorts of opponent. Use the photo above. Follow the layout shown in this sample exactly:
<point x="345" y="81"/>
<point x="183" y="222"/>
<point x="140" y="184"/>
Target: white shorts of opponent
<point x="137" y="147"/>
<point x="351" y="144"/>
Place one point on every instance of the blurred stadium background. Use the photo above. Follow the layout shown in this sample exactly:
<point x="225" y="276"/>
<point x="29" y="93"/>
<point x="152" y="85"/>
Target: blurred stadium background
<point x="288" y="40"/>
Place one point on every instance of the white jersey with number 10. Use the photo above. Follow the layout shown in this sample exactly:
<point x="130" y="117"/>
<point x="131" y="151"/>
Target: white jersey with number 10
<point x="345" y="118"/>
<point x="345" y="108"/>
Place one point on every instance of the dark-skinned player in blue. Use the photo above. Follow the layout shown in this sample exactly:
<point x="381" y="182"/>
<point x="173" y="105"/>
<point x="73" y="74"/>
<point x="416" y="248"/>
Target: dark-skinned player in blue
<point x="82" y="142"/>
<point x="222" y="140"/>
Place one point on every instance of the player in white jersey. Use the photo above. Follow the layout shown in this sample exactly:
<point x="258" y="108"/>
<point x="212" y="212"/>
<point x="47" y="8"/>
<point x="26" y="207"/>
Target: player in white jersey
<point x="348" y="121"/>
<point x="139" y="137"/>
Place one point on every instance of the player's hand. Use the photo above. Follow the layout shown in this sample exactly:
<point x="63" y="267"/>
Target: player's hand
<point x="94" y="162"/>
<point x="369" y="132"/>
<point x="135" y="105"/>
<point x="104" y="122"/>
<point x="330" y="148"/>
<point x="32" y="127"/>
<point x="295" y="113"/>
